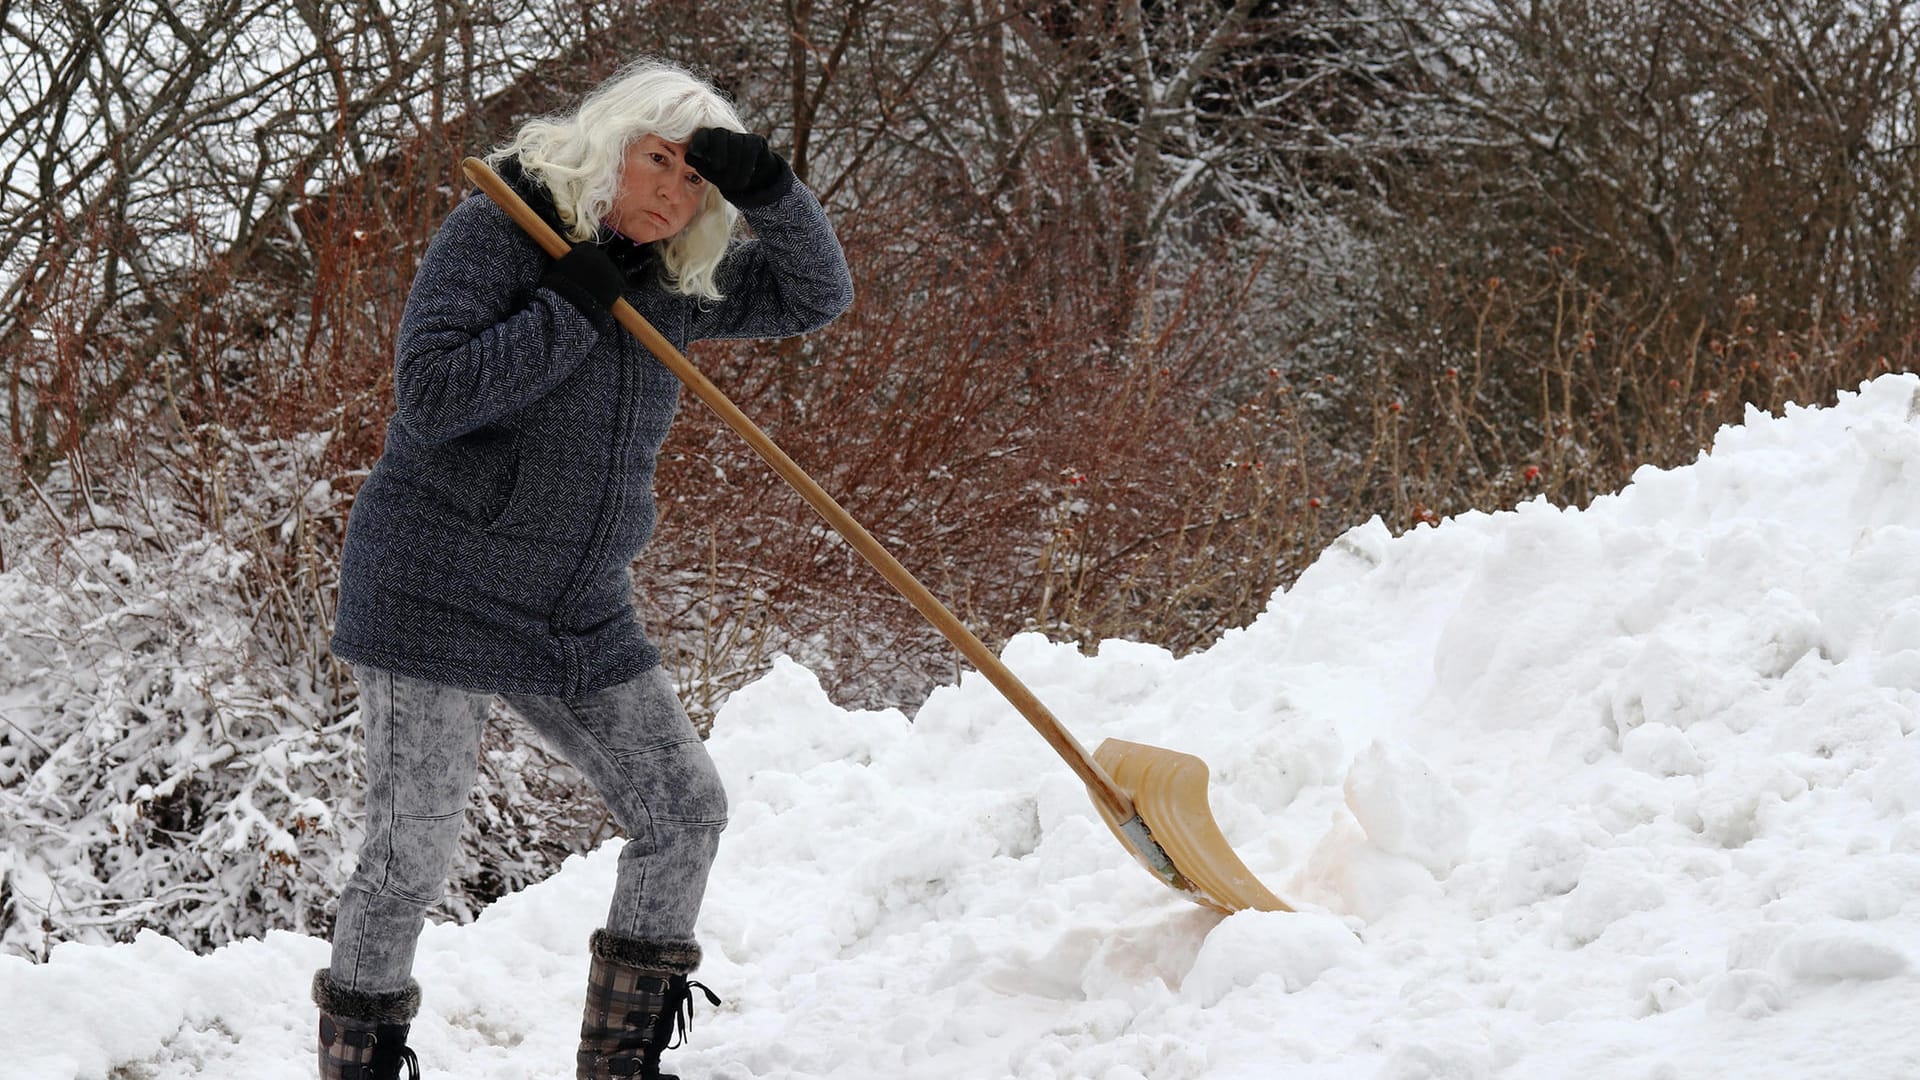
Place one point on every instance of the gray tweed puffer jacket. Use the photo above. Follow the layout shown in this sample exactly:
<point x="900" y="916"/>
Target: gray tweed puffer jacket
<point x="490" y="546"/>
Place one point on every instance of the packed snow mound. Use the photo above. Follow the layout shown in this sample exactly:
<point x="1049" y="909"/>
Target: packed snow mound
<point x="1621" y="792"/>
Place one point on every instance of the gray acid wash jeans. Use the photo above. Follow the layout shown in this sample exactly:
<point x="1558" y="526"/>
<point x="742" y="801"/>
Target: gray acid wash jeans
<point x="633" y="742"/>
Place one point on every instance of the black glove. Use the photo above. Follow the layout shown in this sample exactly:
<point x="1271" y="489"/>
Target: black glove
<point x="587" y="278"/>
<point x="739" y="163"/>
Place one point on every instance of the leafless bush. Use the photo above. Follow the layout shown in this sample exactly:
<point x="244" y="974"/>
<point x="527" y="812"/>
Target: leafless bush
<point x="1662" y="164"/>
<point x="1510" y="416"/>
<point x="973" y="414"/>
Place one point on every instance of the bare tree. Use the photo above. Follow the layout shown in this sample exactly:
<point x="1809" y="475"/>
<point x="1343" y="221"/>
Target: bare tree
<point x="157" y="151"/>
<point x="1691" y="151"/>
<point x="1597" y="230"/>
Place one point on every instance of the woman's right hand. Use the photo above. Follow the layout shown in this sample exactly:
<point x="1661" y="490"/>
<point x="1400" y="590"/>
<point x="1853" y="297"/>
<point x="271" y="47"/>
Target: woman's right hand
<point x="587" y="277"/>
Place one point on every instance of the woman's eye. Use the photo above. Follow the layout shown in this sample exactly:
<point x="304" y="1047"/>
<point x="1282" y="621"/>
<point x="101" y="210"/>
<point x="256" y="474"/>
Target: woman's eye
<point x="696" y="179"/>
<point x="658" y="158"/>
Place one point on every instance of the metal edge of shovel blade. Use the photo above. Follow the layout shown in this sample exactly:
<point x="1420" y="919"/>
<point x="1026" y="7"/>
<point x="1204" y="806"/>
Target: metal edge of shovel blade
<point x="1169" y="791"/>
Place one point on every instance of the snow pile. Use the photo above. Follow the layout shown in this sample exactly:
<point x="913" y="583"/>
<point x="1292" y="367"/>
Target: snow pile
<point x="1626" y="792"/>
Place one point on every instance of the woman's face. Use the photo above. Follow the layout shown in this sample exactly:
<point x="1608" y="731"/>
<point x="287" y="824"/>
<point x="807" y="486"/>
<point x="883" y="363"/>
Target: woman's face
<point x="659" y="192"/>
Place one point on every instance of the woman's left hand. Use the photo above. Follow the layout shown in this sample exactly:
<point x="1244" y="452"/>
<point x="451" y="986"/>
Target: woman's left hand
<point x="739" y="163"/>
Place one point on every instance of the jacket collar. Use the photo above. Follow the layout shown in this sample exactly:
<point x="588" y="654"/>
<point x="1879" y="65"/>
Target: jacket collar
<point x="633" y="259"/>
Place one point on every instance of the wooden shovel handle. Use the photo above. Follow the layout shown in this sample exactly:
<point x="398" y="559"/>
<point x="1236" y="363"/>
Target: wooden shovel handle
<point x="1016" y="692"/>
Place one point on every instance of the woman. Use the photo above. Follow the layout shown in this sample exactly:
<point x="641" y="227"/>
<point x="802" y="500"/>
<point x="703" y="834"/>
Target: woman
<point x="488" y="551"/>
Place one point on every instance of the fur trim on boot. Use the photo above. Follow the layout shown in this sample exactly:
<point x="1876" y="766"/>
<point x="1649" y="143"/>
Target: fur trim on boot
<point x="363" y="1036"/>
<point x="665" y="957"/>
<point x="392" y="1007"/>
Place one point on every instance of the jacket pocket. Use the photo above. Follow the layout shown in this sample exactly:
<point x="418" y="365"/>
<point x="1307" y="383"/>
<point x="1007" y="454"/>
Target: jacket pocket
<point x="516" y="486"/>
<point x="475" y="475"/>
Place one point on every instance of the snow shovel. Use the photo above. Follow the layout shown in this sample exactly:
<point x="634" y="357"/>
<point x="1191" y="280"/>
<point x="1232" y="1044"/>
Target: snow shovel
<point x="1154" y="800"/>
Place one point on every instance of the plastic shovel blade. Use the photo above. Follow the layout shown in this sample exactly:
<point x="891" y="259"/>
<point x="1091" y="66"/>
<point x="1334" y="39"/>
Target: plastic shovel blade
<point x="1169" y="790"/>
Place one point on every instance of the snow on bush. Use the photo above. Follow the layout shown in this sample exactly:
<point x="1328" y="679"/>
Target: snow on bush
<point x="177" y="751"/>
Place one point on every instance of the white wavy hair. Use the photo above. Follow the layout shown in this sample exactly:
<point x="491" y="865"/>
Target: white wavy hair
<point x="579" y="155"/>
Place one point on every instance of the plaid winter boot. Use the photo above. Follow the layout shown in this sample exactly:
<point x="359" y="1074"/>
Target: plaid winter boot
<point x="364" y="1036"/>
<point x="639" y="1001"/>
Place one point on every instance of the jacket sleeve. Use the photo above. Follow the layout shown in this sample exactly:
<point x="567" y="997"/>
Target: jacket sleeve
<point x="480" y="337"/>
<point x="791" y="278"/>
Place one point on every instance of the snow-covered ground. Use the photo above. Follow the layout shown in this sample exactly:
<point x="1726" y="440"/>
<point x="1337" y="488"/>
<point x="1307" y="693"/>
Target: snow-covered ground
<point x="1628" y="792"/>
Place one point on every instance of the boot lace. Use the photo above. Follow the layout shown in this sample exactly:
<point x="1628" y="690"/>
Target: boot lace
<point x="644" y="1029"/>
<point x="403" y="1056"/>
<point x="683" y="1010"/>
